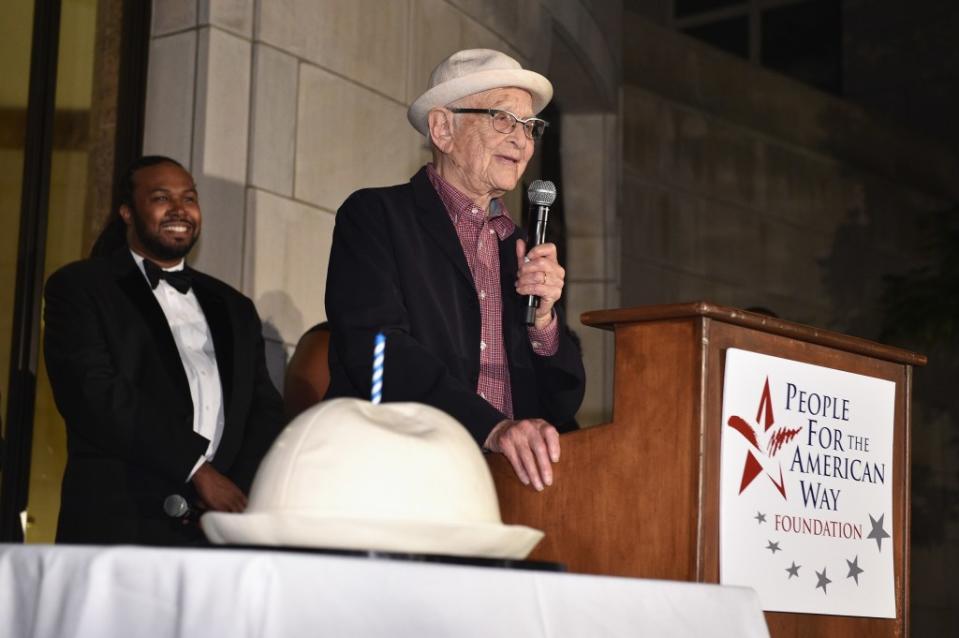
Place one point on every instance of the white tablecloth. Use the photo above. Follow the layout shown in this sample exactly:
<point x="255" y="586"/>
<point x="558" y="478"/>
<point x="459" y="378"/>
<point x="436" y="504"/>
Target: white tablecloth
<point x="128" y="592"/>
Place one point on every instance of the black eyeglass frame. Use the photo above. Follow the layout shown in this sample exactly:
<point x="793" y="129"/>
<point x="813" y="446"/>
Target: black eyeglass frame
<point x="516" y="120"/>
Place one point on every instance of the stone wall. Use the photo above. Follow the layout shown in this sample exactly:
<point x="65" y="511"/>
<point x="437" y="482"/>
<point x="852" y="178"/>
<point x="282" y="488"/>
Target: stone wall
<point x="281" y="108"/>
<point x="746" y="188"/>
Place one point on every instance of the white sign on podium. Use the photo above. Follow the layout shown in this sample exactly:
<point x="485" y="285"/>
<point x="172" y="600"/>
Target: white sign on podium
<point x="806" y="486"/>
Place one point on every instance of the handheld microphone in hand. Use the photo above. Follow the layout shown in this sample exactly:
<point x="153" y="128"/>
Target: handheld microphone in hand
<point x="175" y="506"/>
<point x="541" y="195"/>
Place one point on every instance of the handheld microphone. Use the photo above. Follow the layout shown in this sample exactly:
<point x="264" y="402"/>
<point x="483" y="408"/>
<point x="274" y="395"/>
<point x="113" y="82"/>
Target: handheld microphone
<point x="541" y="195"/>
<point x="175" y="506"/>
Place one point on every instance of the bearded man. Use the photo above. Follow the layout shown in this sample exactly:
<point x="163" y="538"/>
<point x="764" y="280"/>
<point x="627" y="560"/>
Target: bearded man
<point x="158" y="370"/>
<point x="439" y="267"/>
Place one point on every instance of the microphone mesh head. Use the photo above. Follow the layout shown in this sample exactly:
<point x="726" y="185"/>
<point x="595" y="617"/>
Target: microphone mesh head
<point x="541" y="193"/>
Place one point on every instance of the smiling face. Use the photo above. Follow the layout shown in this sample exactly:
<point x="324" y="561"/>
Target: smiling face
<point x="476" y="158"/>
<point x="164" y="222"/>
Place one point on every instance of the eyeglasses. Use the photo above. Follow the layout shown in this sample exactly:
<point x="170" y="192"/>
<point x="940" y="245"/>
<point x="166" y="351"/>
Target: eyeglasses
<point x="505" y="122"/>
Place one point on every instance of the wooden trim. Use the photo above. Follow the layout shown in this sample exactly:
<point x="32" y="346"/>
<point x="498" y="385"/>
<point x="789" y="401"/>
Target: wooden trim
<point x="607" y="319"/>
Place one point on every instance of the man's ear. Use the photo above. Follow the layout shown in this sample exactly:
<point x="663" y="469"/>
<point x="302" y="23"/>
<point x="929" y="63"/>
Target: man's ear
<point x="126" y="214"/>
<point x="440" y="122"/>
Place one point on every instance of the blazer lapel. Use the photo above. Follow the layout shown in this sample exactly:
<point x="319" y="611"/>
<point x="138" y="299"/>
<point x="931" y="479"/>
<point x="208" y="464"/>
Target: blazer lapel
<point x="218" y="319"/>
<point x="132" y="282"/>
<point x="436" y="221"/>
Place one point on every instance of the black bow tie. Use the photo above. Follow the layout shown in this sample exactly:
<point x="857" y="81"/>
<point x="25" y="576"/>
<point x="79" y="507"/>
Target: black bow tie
<point x="179" y="279"/>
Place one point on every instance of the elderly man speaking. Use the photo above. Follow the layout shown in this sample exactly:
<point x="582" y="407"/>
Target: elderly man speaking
<point x="439" y="267"/>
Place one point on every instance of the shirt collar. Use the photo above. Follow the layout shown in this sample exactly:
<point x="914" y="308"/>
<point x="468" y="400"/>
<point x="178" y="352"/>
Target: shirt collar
<point x="459" y="206"/>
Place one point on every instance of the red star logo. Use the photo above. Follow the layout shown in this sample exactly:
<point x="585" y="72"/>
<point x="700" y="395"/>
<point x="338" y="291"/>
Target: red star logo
<point x="774" y="443"/>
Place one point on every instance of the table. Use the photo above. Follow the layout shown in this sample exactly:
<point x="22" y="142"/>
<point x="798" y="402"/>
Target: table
<point x="129" y="591"/>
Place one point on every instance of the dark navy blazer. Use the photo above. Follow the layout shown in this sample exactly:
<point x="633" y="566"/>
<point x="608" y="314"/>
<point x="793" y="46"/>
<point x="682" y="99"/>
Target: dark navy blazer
<point x="119" y="383"/>
<point x="397" y="266"/>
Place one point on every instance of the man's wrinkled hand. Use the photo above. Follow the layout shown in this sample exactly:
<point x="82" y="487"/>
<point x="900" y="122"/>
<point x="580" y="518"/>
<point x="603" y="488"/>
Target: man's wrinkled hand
<point x="540" y="274"/>
<point x="217" y="492"/>
<point x="530" y="445"/>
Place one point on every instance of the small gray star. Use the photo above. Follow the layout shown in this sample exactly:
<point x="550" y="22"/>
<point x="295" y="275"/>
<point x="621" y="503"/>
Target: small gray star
<point x="773" y="547"/>
<point x="877" y="531"/>
<point x="794" y="570"/>
<point x="854" y="569"/>
<point x="823" y="581"/>
<point x="760" y="518"/>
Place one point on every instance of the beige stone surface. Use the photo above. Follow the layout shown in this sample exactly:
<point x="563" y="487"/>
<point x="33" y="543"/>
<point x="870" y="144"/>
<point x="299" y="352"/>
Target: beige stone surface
<point x="597" y="402"/>
<point x="289" y="245"/>
<point x="587" y="259"/>
<point x="364" y="40"/>
<point x="220" y="249"/>
<point x="233" y="15"/>
<point x="523" y="24"/>
<point x="439" y="29"/>
<point x="223" y="98"/>
<point x="220" y="150"/>
<point x="173" y="15"/>
<point x="169" y="114"/>
<point x="273" y="127"/>
<point x="612" y="208"/>
<point x="349" y="138"/>
<point x="575" y="23"/>
<point x="583" y="154"/>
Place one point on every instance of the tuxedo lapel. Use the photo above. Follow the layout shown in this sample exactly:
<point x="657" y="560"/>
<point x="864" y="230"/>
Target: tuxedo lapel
<point x="221" y="327"/>
<point x="132" y="282"/>
<point x="434" y="218"/>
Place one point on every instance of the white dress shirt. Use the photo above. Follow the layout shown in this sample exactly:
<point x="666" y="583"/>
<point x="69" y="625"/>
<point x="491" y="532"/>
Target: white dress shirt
<point x="194" y="342"/>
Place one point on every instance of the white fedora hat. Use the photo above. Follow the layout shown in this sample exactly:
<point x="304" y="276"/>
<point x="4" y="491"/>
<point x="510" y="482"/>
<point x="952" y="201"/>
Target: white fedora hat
<point x="473" y="71"/>
<point x="397" y="477"/>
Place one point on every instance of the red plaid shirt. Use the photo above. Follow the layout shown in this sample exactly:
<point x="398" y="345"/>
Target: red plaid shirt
<point x="474" y="229"/>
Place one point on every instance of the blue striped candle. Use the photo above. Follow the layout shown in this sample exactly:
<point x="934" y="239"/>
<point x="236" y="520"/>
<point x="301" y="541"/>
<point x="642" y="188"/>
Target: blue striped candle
<point x="379" y="356"/>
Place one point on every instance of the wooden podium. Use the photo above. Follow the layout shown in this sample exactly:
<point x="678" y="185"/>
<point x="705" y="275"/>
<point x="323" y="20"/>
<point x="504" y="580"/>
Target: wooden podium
<point x="640" y="496"/>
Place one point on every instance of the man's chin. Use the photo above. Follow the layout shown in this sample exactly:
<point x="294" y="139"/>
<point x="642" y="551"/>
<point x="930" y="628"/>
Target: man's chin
<point x="169" y="250"/>
<point x="508" y="180"/>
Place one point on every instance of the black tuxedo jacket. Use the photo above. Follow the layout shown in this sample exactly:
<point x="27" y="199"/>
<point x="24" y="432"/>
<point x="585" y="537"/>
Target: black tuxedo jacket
<point x="397" y="265"/>
<point x="119" y="383"/>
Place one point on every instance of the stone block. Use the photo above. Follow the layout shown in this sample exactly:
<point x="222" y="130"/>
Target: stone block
<point x="273" y="132"/>
<point x="439" y="29"/>
<point x="645" y="282"/>
<point x="173" y="15"/>
<point x="364" y="40"/>
<point x="288" y="246"/>
<point x="791" y="260"/>
<point x="596" y="50"/>
<point x="691" y="149"/>
<point x="169" y="111"/>
<point x="586" y="259"/>
<point x="597" y="406"/>
<point x="584" y="174"/>
<point x="220" y="150"/>
<point x="349" y="137"/>
<point x="521" y="23"/>
<point x="699" y="235"/>
<point x="223" y="99"/>
<point x="647" y="131"/>
<point x="612" y="254"/>
<point x="802" y="188"/>
<point x="235" y="16"/>
<point x="219" y="251"/>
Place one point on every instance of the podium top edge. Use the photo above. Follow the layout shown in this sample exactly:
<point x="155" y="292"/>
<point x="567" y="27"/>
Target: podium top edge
<point x="608" y="319"/>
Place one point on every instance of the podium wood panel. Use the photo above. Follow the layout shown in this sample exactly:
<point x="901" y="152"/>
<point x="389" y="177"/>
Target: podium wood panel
<point x="639" y="496"/>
